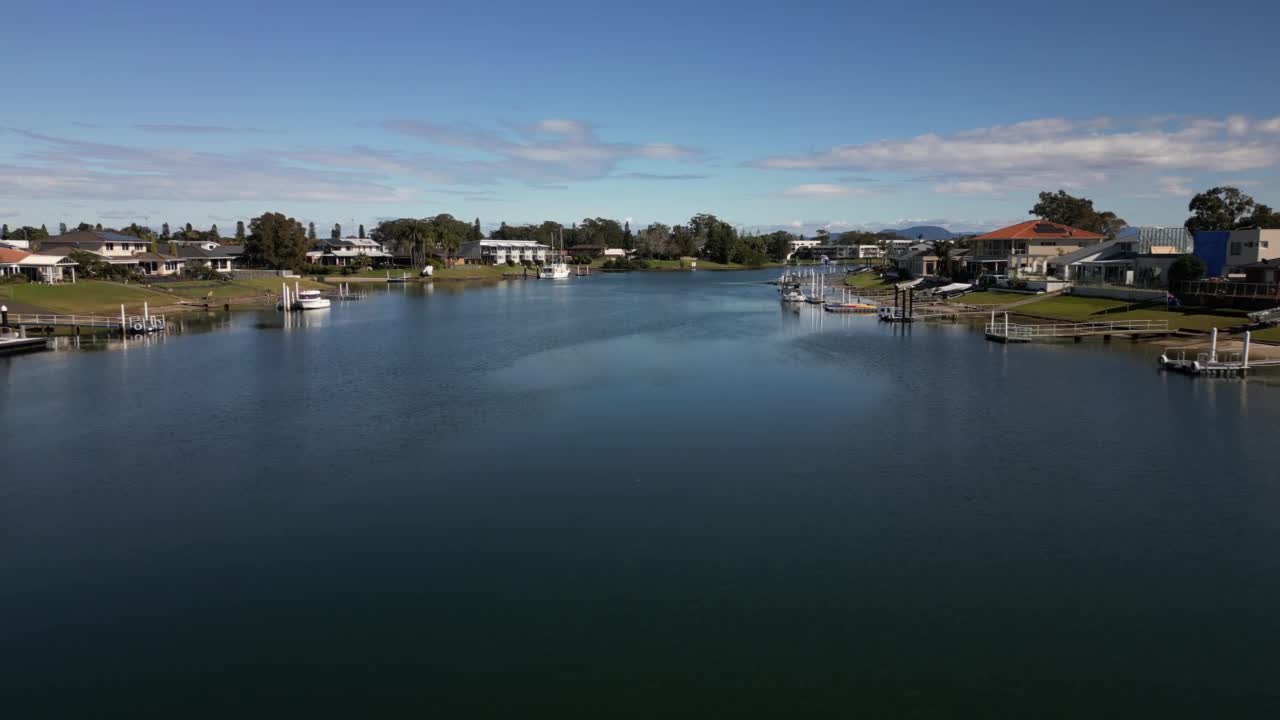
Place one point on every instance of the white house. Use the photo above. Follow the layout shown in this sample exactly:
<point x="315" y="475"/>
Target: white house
<point x="497" y="252"/>
<point x="48" y="268"/>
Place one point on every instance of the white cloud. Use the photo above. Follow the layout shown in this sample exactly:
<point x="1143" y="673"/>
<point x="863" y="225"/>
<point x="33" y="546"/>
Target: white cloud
<point x="1053" y="151"/>
<point x="548" y="151"/>
<point x="1175" y="186"/>
<point x="825" y="191"/>
<point x="8" y="212"/>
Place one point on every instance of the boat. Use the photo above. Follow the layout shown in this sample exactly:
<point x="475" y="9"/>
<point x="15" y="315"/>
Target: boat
<point x="296" y="299"/>
<point x="310" y="300"/>
<point x="793" y="296"/>
<point x="558" y="269"/>
<point x="849" y="307"/>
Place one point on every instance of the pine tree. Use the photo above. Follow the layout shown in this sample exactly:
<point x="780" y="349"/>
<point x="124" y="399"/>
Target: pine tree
<point x="626" y="235"/>
<point x="240" y="230"/>
<point x="4" y="232"/>
<point x="336" y="232"/>
<point x="311" y="231"/>
<point x="362" y="232"/>
<point x="475" y="231"/>
<point x="95" y="227"/>
<point x="62" y="228"/>
<point x="164" y="231"/>
<point x="45" y="230"/>
<point x="213" y="232"/>
<point x="189" y="228"/>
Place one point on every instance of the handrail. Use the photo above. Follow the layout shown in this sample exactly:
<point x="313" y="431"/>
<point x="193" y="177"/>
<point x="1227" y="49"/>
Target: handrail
<point x="1012" y="330"/>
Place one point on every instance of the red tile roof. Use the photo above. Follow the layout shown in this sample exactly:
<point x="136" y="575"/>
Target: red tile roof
<point x="1039" y="230"/>
<point x="11" y="256"/>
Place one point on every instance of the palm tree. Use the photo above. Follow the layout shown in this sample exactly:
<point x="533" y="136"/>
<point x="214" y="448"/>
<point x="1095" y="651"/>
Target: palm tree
<point x="942" y="250"/>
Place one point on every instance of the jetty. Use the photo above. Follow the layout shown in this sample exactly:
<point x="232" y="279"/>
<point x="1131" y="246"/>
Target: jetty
<point x="1006" y="332"/>
<point x="15" y="340"/>
<point x="143" y="324"/>
<point x="1218" y="362"/>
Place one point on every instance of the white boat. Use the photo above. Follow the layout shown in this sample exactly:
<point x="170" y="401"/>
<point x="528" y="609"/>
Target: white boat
<point x="558" y="269"/>
<point x="296" y="299"/>
<point x="310" y="300"/>
<point x="793" y="296"/>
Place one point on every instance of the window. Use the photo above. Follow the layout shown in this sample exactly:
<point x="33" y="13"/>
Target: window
<point x="1266" y="243"/>
<point x="1235" y="248"/>
<point x="111" y="246"/>
<point x="1048" y="243"/>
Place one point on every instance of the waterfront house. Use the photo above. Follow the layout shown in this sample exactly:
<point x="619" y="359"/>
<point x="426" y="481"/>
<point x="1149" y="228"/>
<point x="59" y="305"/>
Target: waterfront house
<point x="9" y="258"/>
<point x="499" y="252"/>
<point x="1156" y="240"/>
<point x="1119" y="263"/>
<point x="48" y="267"/>
<point x="219" y="259"/>
<point x="1263" y="272"/>
<point x="343" y="252"/>
<point x="1026" y="248"/>
<point x="1245" y="247"/>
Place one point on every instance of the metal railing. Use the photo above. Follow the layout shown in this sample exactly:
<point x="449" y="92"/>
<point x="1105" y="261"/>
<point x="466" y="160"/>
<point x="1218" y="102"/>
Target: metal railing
<point x="1219" y="288"/>
<point x="1059" y="330"/>
<point x="150" y="322"/>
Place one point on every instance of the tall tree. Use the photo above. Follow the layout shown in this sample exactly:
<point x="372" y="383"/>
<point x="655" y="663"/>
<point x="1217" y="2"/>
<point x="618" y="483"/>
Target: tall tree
<point x="407" y="237"/>
<point x="476" y="233"/>
<point x="188" y="228"/>
<point x="95" y="227"/>
<point x="362" y="231"/>
<point x="44" y="232"/>
<point x="336" y="232"/>
<point x="311" y="231"/>
<point x="214" y="235"/>
<point x="62" y="228"/>
<point x="1226" y="208"/>
<point x="277" y="241"/>
<point x="1077" y="212"/>
<point x="942" y="250"/>
<point x="240" y="231"/>
<point x="628" y="242"/>
<point x="164" y="231"/>
<point x="4" y="232"/>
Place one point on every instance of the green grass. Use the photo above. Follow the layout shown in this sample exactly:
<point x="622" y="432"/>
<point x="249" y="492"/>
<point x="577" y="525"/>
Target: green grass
<point x="226" y="291"/>
<point x="83" y="297"/>
<point x="703" y="264"/>
<point x="866" y="281"/>
<point x="1084" y="309"/>
<point x="990" y="297"/>
<point x="1269" y="334"/>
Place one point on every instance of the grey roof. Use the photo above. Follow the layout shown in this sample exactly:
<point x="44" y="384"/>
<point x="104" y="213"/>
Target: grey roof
<point x="189" y="252"/>
<point x="1102" y="249"/>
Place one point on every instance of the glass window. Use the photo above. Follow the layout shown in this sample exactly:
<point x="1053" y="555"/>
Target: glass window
<point x="1235" y="248"/>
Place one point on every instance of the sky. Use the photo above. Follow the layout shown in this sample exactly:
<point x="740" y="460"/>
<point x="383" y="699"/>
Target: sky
<point x="800" y="115"/>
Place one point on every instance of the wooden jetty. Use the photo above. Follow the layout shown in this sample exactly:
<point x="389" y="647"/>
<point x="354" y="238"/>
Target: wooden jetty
<point x="15" y="340"/>
<point x="1218" y="364"/>
<point x="1007" y="332"/>
<point x="143" y="324"/>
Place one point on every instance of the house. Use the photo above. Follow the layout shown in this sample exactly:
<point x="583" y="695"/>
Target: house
<point x="1245" y="247"/>
<point x="48" y="268"/>
<point x="803" y="243"/>
<point x="9" y="259"/>
<point x="343" y="252"/>
<point x="1263" y="272"/>
<point x="920" y="261"/>
<point x="150" y="263"/>
<point x="116" y="248"/>
<point x="1026" y="248"/>
<point x="219" y="259"/>
<point x="498" y="252"/>
<point x="585" y="250"/>
<point x="615" y="253"/>
<point x="1153" y="240"/>
<point x="1117" y="262"/>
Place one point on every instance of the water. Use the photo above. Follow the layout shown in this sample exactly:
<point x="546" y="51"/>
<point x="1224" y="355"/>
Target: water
<point x="642" y="495"/>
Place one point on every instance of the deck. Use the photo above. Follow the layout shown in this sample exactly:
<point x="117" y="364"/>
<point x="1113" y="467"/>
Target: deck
<point x="1005" y="331"/>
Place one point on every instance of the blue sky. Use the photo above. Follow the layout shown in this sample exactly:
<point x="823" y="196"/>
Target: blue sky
<point x="843" y="115"/>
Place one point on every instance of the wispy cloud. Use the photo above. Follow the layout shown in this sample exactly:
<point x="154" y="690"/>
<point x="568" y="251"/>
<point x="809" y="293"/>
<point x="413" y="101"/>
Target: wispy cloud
<point x="555" y="150"/>
<point x="1054" y="151"/>
<point x="826" y="191"/>
<point x="8" y="212"/>
<point x="660" y="176"/>
<point x="181" y="129"/>
<point x="61" y="168"/>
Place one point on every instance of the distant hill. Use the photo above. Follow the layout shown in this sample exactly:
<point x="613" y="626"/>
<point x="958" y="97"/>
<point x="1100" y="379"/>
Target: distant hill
<point x="930" y="232"/>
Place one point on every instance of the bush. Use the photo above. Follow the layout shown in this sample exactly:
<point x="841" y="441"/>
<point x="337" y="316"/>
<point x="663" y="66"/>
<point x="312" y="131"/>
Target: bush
<point x="312" y="269"/>
<point x="581" y="259"/>
<point x="201" y="271"/>
<point x="621" y="264"/>
<point x="511" y="263"/>
<point x="18" y="279"/>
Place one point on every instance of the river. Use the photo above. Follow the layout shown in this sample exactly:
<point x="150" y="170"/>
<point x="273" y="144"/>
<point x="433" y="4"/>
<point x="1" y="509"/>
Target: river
<point x="641" y="495"/>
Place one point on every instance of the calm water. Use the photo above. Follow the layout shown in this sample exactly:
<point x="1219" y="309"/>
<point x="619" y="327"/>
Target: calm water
<point x="649" y="495"/>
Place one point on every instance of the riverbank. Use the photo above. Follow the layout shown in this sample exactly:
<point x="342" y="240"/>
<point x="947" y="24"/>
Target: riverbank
<point x="103" y="297"/>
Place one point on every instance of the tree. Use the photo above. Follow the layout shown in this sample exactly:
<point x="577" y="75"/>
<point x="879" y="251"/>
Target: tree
<point x="277" y="241"/>
<point x="214" y="235"/>
<point x="1226" y="208"/>
<point x="4" y="232"/>
<point x="336" y="232"/>
<point x="654" y="241"/>
<point x="1185" y="269"/>
<point x="44" y="232"/>
<point x="942" y="250"/>
<point x="240" y="231"/>
<point x="628" y="242"/>
<point x="188" y="228"/>
<point x="164" y="231"/>
<point x="409" y="237"/>
<point x="1066" y="209"/>
<point x="311" y="231"/>
<point x="28" y="233"/>
<point x="361" y="231"/>
<point x="476" y="233"/>
<point x="62" y="228"/>
<point x="95" y="227"/>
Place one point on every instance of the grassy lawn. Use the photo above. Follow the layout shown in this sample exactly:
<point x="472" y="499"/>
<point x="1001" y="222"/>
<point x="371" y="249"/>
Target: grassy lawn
<point x="990" y="297"/>
<point x="703" y="264"/>
<point x="217" y="290"/>
<point x="83" y="297"/>
<point x="1271" y="334"/>
<point x="1084" y="309"/>
<point x="866" y="281"/>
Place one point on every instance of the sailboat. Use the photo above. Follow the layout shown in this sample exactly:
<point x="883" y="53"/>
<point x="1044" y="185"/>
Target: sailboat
<point x="557" y="269"/>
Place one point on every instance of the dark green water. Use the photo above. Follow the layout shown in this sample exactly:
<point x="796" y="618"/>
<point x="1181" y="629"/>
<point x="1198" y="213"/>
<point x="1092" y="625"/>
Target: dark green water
<point x="651" y="495"/>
